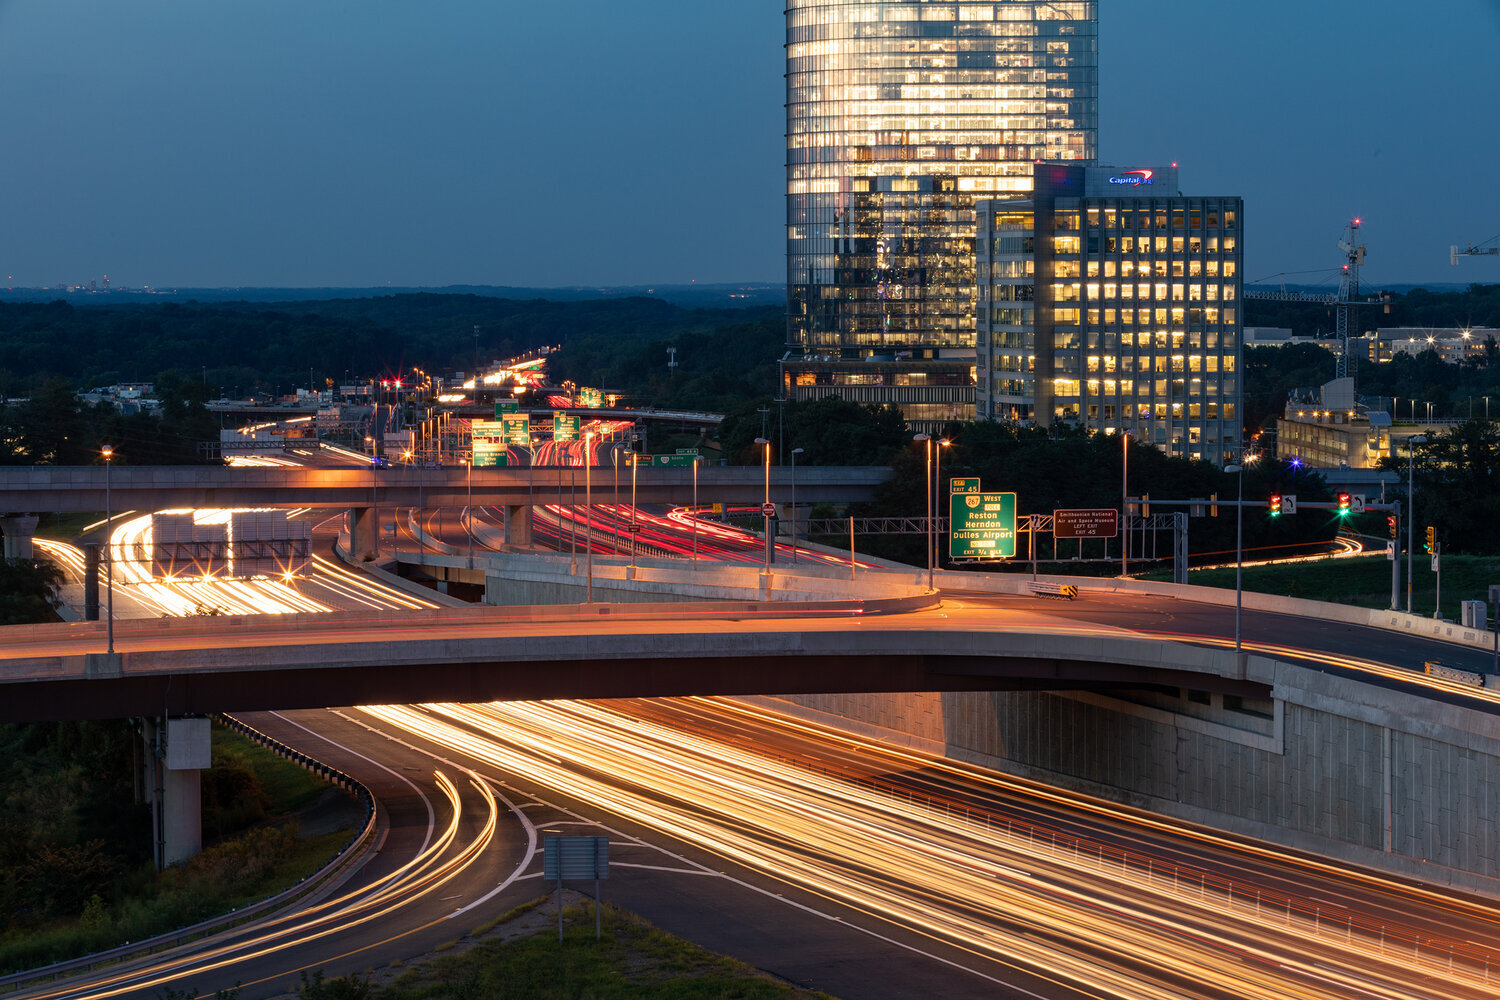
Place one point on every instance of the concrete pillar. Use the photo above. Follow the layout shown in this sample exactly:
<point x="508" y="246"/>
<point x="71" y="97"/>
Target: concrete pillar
<point x="19" y="530"/>
<point x="518" y="525"/>
<point x="362" y="533"/>
<point x="176" y="753"/>
<point x="91" y="559"/>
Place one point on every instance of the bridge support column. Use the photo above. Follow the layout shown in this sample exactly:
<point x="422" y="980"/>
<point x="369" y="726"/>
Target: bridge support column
<point x="518" y="525"/>
<point x="91" y="560"/>
<point x="177" y="750"/>
<point x="19" y="529"/>
<point x="363" y="538"/>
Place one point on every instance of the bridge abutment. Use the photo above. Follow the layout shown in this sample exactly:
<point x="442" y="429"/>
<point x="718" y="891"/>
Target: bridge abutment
<point x="19" y="530"/>
<point x="518" y="525"/>
<point x="177" y="751"/>
<point x="364" y="540"/>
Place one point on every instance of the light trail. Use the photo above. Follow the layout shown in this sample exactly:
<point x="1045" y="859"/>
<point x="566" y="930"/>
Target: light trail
<point x="131" y="546"/>
<point x="435" y="866"/>
<point x="960" y="879"/>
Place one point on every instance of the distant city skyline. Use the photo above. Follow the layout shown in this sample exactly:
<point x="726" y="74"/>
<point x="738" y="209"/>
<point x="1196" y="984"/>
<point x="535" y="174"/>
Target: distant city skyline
<point x="288" y="144"/>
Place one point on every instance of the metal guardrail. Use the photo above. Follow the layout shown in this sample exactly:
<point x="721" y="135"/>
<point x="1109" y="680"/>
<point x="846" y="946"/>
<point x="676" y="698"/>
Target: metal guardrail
<point x="171" y="939"/>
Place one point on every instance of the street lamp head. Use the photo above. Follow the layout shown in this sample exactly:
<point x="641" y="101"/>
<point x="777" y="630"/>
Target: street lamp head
<point x="762" y="441"/>
<point x="1233" y="469"/>
<point x="1417" y="439"/>
<point x="944" y="442"/>
<point x="797" y="451"/>
<point x="922" y="437"/>
<point x="108" y="452"/>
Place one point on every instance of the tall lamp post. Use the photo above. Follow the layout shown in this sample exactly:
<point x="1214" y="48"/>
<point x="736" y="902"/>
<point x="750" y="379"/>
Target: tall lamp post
<point x="1411" y="516"/>
<point x="108" y="452"/>
<point x="374" y="503"/>
<point x="588" y="512"/>
<point x="634" y="460"/>
<point x="1239" y="545"/>
<point x="694" y="518"/>
<point x="795" y="453"/>
<point x="939" y="494"/>
<point x="765" y="506"/>
<point x="471" y="511"/>
<point x="926" y="440"/>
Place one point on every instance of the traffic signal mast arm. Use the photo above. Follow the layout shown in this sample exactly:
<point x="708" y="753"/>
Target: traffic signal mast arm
<point x="1309" y="504"/>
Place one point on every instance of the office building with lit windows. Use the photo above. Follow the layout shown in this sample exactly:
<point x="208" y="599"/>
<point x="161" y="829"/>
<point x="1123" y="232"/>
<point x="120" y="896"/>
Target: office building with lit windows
<point x="1110" y="301"/>
<point x="901" y="115"/>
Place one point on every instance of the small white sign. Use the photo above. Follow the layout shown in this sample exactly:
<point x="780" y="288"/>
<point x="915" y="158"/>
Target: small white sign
<point x="1390" y="551"/>
<point x="1357" y="503"/>
<point x="1289" y="503"/>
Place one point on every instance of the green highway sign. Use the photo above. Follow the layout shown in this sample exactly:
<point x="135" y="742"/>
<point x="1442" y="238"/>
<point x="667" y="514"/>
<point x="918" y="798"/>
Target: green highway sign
<point x="982" y="525"/>
<point x="516" y="428"/>
<point x="963" y="486"/>
<point x="564" y="427"/>
<point x="504" y="406"/>
<point x="592" y="398"/>
<point x="682" y="461"/>
<point x="487" y="438"/>
<point x="688" y="451"/>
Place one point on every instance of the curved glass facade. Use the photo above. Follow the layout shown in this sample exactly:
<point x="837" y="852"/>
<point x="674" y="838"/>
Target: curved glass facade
<point x="900" y="115"/>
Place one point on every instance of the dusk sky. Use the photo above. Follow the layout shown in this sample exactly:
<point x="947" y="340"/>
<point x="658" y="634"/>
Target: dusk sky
<point x="321" y="143"/>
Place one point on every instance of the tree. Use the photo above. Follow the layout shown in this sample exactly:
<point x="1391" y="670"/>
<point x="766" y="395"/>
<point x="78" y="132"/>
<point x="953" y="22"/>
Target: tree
<point x="28" y="591"/>
<point x="1455" y="474"/>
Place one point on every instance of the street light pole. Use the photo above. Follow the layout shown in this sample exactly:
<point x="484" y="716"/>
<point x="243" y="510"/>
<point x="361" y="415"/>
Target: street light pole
<point x="374" y="503"/>
<point x="471" y="511"/>
<point x="939" y="494"/>
<point x="1239" y="550"/>
<point x="766" y="502"/>
<point x="1124" y="504"/>
<point x="926" y="440"/>
<point x="109" y="554"/>
<point x="588" y="509"/>
<point x="694" y="518"/>
<point x="1411" y="516"/>
<point x="795" y="453"/>
<point x="634" y="461"/>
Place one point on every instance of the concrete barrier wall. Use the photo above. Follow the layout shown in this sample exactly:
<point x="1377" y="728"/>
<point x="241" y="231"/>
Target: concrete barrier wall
<point x="1396" y="621"/>
<point x="523" y="578"/>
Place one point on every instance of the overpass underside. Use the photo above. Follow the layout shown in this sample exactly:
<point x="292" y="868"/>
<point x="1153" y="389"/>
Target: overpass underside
<point x="109" y="694"/>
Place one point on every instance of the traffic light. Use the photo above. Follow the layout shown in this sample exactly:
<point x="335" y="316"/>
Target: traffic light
<point x="1343" y="504"/>
<point x="1431" y="538"/>
<point x="1275" y="504"/>
<point x="1391" y="525"/>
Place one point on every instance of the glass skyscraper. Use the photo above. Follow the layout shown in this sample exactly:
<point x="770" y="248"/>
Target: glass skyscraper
<point x="901" y="114"/>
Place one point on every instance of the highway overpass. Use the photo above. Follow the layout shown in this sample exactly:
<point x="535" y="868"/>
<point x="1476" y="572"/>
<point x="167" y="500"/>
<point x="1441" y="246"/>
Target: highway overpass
<point x="62" y="490"/>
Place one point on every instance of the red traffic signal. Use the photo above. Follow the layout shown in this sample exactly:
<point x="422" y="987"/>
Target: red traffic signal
<point x="1275" y="504"/>
<point x="1390" y="524"/>
<point x="1343" y="504"/>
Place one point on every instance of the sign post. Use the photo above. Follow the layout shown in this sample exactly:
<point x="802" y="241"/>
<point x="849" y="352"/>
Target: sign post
<point x="487" y="442"/>
<point x="576" y="857"/>
<point x="981" y="525"/>
<point x="564" y="427"/>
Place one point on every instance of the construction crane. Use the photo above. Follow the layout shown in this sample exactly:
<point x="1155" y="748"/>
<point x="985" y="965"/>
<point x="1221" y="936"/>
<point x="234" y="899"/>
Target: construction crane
<point x="1346" y="298"/>
<point x="1474" y="250"/>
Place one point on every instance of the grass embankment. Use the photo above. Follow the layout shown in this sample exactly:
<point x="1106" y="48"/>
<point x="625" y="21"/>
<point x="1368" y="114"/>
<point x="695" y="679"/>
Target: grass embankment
<point x="518" y="957"/>
<point x="1362" y="581"/>
<point x="254" y="847"/>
